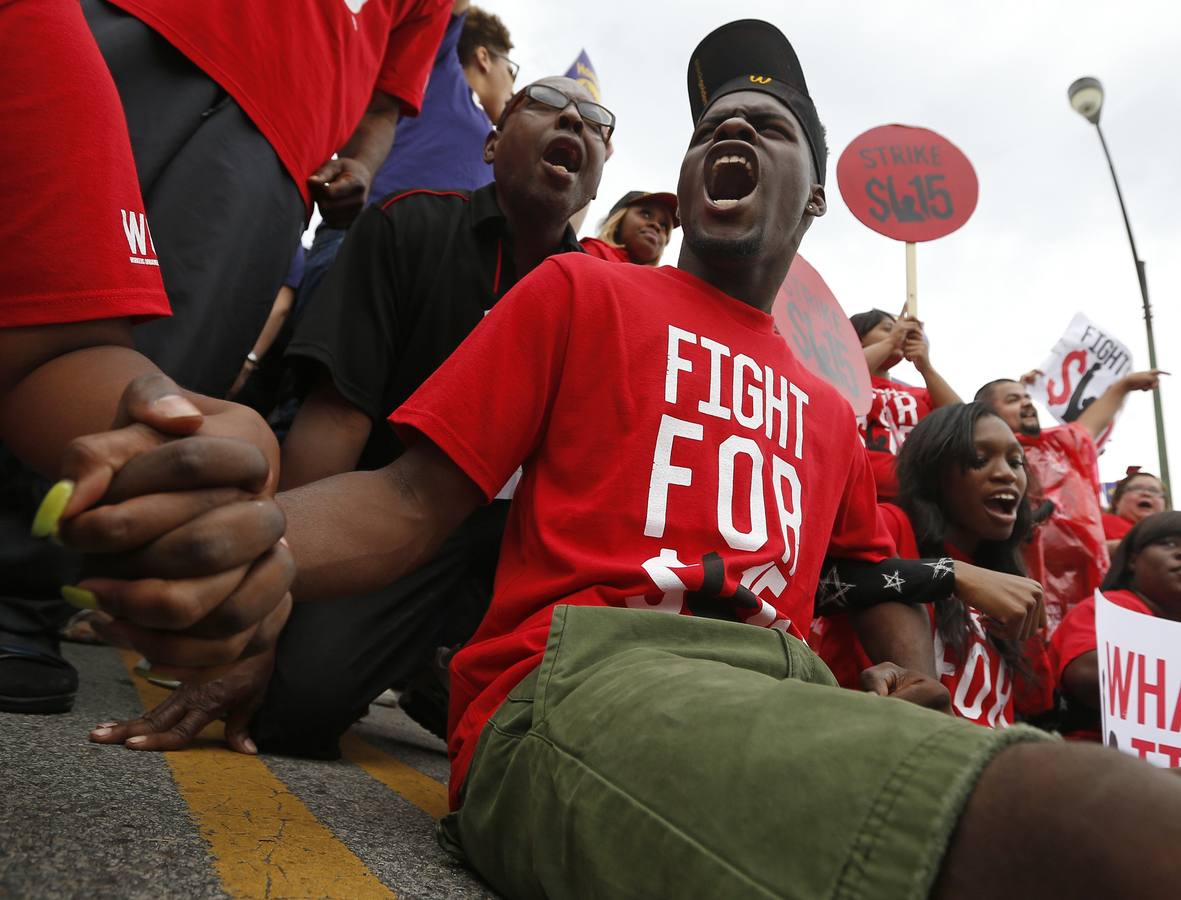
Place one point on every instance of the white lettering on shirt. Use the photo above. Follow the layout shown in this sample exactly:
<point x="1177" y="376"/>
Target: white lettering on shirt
<point x="713" y="406"/>
<point x="757" y="536"/>
<point x="664" y="473"/>
<point x="676" y="362"/>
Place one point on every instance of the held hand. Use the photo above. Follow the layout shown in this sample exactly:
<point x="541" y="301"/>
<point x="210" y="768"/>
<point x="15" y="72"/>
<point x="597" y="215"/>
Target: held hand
<point x="340" y="187"/>
<point x="889" y="680"/>
<point x="917" y="351"/>
<point x="1012" y="605"/>
<point x="235" y="691"/>
<point x="1031" y="376"/>
<point x="1142" y="381"/>
<point x="184" y="552"/>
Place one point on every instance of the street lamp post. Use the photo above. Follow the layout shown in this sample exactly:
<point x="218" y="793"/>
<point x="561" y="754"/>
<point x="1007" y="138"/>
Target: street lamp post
<point x="1086" y="98"/>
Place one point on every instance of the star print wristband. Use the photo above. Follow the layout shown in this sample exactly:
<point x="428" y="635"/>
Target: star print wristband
<point x="856" y="584"/>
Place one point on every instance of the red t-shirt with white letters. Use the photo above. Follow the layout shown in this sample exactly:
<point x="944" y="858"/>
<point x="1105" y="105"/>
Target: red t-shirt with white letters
<point x="981" y="685"/>
<point x="896" y="409"/>
<point x="673" y="447"/>
<point x="74" y="242"/>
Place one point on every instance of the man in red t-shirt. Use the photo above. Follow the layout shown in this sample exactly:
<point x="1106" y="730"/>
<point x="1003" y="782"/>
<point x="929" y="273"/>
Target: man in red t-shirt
<point x="74" y="278"/>
<point x="235" y="112"/>
<point x="1069" y="552"/>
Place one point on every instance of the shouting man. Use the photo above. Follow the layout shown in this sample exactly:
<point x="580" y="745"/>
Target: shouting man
<point x="678" y="459"/>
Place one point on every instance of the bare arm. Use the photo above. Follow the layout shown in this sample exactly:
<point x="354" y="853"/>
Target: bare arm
<point x="340" y="186"/>
<point x="918" y="351"/>
<point x="360" y="531"/>
<point x="899" y="633"/>
<point x="280" y="309"/>
<point x="1100" y="414"/>
<point x="58" y="382"/>
<point x="1080" y="680"/>
<point x="326" y="438"/>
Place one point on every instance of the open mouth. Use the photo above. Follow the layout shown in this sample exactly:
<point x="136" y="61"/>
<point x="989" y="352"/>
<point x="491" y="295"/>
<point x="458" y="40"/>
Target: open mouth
<point x="563" y="155"/>
<point x="1002" y="503"/>
<point x="1146" y="505"/>
<point x="731" y="173"/>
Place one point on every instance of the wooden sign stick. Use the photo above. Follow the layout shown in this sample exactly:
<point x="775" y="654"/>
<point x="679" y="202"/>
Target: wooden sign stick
<point x="912" y="290"/>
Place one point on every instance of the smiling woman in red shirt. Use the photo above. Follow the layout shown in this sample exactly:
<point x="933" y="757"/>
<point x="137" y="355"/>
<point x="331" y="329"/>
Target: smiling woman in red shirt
<point x="636" y="230"/>
<point x="962" y="494"/>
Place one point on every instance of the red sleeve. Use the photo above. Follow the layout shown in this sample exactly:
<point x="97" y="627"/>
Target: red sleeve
<point x="895" y="521"/>
<point x="410" y="53"/>
<point x="885" y="473"/>
<point x="1074" y="637"/>
<point x="858" y="531"/>
<point x="1080" y="446"/>
<point x="489" y="426"/>
<point x="76" y="245"/>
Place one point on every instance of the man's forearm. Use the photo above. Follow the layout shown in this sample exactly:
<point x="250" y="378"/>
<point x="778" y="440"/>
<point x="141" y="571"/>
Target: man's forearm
<point x="899" y="633"/>
<point x="374" y="135"/>
<point x="360" y="531"/>
<point x="1102" y="412"/>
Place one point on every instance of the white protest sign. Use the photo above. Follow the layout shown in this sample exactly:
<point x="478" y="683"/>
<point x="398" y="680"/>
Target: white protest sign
<point x="1139" y="682"/>
<point x="1084" y="363"/>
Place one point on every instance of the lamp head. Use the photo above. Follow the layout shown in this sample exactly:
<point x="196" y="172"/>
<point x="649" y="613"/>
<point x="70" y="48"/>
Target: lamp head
<point x="1086" y="97"/>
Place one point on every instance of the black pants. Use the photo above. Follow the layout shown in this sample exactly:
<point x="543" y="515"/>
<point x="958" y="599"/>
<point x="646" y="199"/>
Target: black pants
<point x="224" y="214"/>
<point x="336" y="656"/>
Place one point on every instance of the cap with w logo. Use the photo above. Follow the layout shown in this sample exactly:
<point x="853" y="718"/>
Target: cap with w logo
<point x="752" y="55"/>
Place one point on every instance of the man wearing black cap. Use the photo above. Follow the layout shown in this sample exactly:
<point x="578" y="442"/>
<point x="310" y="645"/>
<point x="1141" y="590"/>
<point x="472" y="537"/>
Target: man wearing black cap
<point x="679" y="459"/>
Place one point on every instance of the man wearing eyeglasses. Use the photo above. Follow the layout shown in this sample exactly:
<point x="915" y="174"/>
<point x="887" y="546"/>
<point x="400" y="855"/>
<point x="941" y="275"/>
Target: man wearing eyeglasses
<point x="415" y="274"/>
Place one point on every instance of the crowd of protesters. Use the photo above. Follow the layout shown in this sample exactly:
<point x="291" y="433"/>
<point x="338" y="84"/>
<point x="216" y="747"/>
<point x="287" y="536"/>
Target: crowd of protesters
<point x="508" y="455"/>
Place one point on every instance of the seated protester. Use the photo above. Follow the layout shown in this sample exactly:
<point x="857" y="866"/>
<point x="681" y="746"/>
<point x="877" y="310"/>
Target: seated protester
<point x="1145" y="577"/>
<point x="897" y="408"/>
<point x="1068" y="554"/>
<point x="603" y="745"/>
<point x="636" y="230"/>
<point x="961" y="494"/>
<point x="415" y="275"/>
<point x="1137" y="496"/>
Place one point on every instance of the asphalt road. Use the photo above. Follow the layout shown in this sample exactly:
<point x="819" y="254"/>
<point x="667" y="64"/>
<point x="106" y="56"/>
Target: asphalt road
<point x="82" y="820"/>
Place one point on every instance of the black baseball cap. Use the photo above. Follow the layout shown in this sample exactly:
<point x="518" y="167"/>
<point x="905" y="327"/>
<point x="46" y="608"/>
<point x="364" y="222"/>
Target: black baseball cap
<point x="752" y="55"/>
<point x="631" y="198"/>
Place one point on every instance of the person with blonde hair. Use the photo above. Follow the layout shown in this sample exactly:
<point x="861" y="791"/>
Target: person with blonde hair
<point x="636" y="230"/>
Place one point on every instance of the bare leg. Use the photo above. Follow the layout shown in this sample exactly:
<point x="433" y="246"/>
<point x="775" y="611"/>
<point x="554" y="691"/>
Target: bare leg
<point x="1066" y="820"/>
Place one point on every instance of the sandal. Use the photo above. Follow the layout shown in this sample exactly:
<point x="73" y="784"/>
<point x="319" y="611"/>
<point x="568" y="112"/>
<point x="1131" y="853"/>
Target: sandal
<point x="34" y="677"/>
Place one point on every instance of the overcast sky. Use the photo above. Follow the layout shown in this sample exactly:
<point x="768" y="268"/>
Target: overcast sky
<point x="1046" y="239"/>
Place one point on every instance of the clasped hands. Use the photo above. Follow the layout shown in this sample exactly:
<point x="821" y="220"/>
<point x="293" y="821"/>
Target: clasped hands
<point x="183" y="549"/>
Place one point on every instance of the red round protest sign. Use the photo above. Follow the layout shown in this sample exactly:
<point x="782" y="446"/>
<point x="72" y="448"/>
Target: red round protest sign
<point x="907" y="183"/>
<point x="821" y="335"/>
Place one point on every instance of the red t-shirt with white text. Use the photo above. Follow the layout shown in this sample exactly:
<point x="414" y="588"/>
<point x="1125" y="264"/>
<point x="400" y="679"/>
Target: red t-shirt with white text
<point x="980" y="684"/>
<point x="305" y="70"/>
<point x="673" y="446"/>
<point x="895" y="411"/>
<point x="75" y="242"/>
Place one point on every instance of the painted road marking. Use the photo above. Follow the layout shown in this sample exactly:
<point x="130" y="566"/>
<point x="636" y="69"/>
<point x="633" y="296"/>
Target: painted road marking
<point x="406" y="781"/>
<point x="265" y="842"/>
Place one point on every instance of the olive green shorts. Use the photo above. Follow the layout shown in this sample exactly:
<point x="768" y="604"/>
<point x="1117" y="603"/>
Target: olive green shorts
<point x="652" y="755"/>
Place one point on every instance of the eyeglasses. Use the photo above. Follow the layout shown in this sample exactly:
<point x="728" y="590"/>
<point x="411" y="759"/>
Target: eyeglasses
<point x="513" y="68"/>
<point x="1146" y="489"/>
<point x="598" y="117"/>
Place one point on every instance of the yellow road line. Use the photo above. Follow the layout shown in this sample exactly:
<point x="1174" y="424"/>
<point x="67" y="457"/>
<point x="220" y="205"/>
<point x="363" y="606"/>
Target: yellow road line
<point x="423" y="791"/>
<point x="264" y="840"/>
